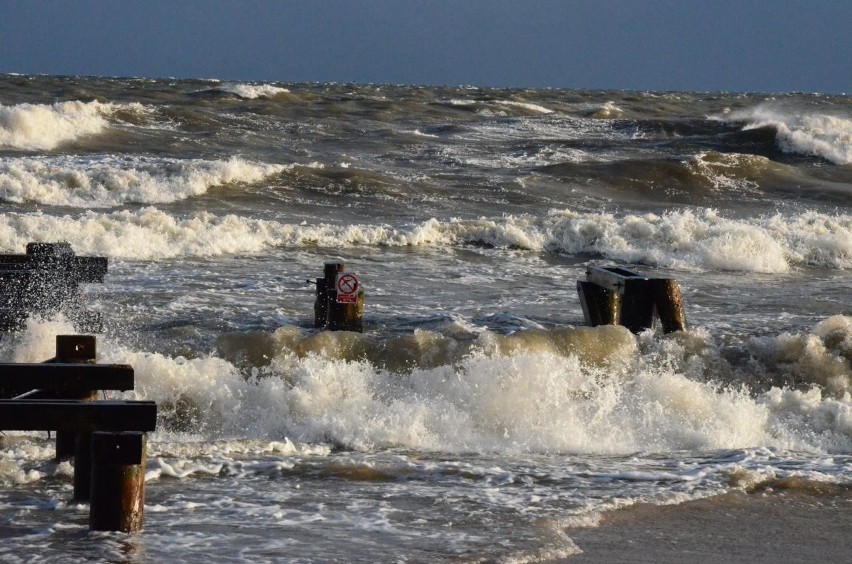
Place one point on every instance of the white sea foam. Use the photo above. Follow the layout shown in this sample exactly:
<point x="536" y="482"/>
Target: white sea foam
<point x="526" y="106"/>
<point x="691" y="240"/>
<point x="821" y="135"/>
<point x="521" y="401"/>
<point x="44" y="127"/>
<point x="489" y="106"/>
<point x="112" y="181"/>
<point x="607" y="111"/>
<point x="729" y="172"/>
<point x="252" y="91"/>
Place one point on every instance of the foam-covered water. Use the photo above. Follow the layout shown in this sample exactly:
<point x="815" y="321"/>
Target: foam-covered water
<point x="476" y="417"/>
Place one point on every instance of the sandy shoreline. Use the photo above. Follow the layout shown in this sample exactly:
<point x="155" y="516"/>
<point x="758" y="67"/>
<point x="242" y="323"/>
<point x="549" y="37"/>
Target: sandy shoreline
<point x="737" y="527"/>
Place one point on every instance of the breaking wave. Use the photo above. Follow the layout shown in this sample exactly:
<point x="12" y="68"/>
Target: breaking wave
<point x="820" y="135"/>
<point x="499" y="107"/>
<point x="252" y="91"/>
<point x="687" y="240"/>
<point x="521" y="393"/>
<point x="83" y="182"/>
<point x="34" y="127"/>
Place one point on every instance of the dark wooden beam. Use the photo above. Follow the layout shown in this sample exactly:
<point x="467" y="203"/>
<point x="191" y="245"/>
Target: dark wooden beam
<point x="62" y="377"/>
<point x="79" y="416"/>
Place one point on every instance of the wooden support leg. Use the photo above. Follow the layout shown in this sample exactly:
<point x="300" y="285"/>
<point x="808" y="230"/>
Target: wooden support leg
<point x="600" y="306"/>
<point x="345" y="317"/>
<point x="669" y="303"/>
<point x="321" y="304"/>
<point x="83" y="467"/>
<point x="118" y="481"/>
<point x="72" y="349"/>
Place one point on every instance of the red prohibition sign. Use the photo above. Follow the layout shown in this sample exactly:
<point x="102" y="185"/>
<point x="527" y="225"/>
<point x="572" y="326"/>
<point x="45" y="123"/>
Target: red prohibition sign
<point x="347" y="284"/>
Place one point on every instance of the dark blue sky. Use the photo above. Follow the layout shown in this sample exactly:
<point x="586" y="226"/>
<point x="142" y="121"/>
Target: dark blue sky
<point x="734" y="45"/>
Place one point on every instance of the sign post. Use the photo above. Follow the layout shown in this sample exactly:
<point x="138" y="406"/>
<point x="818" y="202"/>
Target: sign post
<point x="339" y="304"/>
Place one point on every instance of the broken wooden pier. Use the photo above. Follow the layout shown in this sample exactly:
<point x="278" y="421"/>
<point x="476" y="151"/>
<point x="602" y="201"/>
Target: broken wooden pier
<point x="618" y="296"/>
<point x="107" y="438"/>
<point x="47" y="280"/>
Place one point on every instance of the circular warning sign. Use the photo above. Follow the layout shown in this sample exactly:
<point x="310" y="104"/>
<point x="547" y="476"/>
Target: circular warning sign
<point x="347" y="288"/>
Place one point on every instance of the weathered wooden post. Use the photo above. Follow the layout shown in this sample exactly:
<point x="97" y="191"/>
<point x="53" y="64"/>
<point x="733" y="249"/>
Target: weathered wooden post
<point x="339" y="304"/>
<point x="118" y="481"/>
<point x="325" y="285"/>
<point x="669" y="303"/>
<point x="637" y="304"/>
<point x="73" y="349"/>
<point x="600" y="306"/>
<point x="83" y="466"/>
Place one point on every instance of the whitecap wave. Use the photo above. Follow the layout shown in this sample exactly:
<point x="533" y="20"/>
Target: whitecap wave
<point x="252" y="91"/>
<point x="35" y="127"/>
<point x="687" y="240"/>
<point x="112" y="181"/>
<point x="820" y="135"/>
<point x="536" y="108"/>
<point x="662" y="397"/>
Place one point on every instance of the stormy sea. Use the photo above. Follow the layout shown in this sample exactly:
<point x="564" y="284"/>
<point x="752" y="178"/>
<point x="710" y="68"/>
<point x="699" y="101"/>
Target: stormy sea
<point x="476" y="418"/>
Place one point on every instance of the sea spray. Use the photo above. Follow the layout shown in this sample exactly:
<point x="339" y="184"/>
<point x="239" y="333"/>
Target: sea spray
<point x="528" y="392"/>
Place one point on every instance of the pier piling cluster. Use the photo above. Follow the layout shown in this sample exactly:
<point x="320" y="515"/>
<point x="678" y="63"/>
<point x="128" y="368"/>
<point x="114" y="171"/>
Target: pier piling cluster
<point x="618" y="296"/>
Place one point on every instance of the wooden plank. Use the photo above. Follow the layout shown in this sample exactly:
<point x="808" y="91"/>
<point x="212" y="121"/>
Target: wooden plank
<point x="78" y="416"/>
<point x="77" y="270"/>
<point x="65" y="376"/>
<point x="60" y="249"/>
<point x="16" y="276"/>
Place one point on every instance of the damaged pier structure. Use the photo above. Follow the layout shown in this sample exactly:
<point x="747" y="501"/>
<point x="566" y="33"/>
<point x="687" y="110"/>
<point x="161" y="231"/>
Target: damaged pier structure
<point x="107" y="439"/>
<point x="618" y="296"/>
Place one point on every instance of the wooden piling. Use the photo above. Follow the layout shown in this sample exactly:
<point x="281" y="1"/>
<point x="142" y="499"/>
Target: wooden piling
<point x="325" y="289"/>
<point x="118" y="481"/>
<point x="637" y="305"/>
<point x="321" y="303"/>
<point x="669" y="303"/>
<point x="72" y="349"/>
<point x="330" y="311"/>
<point x="615" y="295"/>
<point x="600" y="305"/>
<point x="82" y="465"/>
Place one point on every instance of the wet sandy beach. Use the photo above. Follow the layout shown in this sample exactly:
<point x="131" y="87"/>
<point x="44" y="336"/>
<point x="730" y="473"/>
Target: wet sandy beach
<point x="766" y="527"/>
